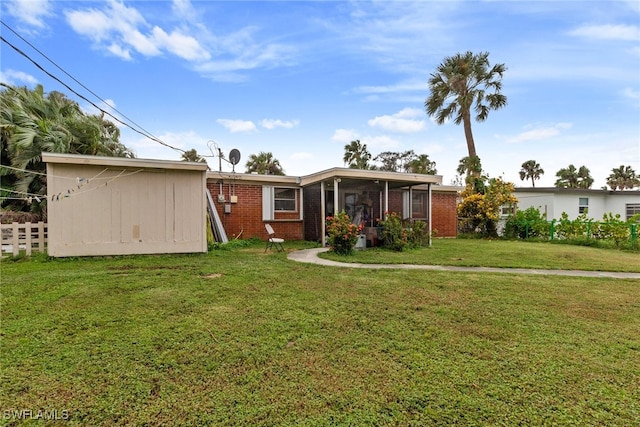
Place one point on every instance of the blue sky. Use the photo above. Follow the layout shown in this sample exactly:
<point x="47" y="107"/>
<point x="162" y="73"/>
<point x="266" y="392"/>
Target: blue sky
<point x="302" y="79"/>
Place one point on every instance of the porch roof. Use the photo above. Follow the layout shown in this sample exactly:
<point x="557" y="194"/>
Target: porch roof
<point x="369" y="178"/>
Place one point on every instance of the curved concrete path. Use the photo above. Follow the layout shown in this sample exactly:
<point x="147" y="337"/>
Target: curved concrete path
<point x="311" y="256"/>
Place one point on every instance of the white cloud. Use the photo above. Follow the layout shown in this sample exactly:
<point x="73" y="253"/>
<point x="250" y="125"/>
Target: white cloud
<point x="344" y="135"/>
<point x="17" y="78"/>
<point x="540" y="132"/>
<point x="400" y="121"/>
<point x="272" y="124"/>
<point x="608" y="32"/>
<point x="120" y="29"/>
<point x="180" y="45"/>
<point x="30" y="12"/>
<point x="631" y="93"/>
<point x="235" y="126"/>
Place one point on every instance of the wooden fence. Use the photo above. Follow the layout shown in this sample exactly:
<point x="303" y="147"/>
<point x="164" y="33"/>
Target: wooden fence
<point x="28" y="237"/>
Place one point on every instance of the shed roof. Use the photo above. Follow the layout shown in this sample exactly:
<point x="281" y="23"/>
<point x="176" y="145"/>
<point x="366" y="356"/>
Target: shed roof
<point x="77" y="159"/>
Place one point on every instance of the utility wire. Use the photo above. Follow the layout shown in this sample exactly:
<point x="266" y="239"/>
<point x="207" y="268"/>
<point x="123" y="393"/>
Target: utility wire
<point x="142" y="132"/>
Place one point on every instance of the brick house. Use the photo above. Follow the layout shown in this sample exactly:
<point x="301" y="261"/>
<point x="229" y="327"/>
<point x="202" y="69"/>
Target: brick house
<point x="296" y="206"/>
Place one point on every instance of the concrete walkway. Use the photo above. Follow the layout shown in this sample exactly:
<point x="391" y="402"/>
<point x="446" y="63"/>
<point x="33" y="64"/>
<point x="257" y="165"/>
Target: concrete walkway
<point x="311" y="256"/>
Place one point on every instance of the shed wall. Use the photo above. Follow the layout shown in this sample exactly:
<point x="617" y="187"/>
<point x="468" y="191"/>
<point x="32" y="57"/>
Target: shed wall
<point x="124" y="210"/>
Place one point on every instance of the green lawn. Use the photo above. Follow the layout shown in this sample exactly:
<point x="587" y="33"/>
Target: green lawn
<point x="502" y="253"/>
<point x="246" y="338"/>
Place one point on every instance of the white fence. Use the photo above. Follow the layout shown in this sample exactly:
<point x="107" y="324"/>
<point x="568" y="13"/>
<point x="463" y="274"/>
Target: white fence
<point x="28" y="237"/>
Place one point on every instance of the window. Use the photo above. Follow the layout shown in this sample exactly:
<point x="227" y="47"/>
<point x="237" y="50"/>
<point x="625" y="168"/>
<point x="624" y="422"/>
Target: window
<point x="583" y="205"/>
<point x="419" y="205"/>
<point x="507" y="210"/>
<point x="284" y="199"/>
<point x="632" y="209"/>
<point x="279" y="199"/>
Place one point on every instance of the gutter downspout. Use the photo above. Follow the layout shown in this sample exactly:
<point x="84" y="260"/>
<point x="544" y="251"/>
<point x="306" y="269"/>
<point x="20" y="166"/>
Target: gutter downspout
<point x="323" y="209"/>
<point x="429" y="216"/>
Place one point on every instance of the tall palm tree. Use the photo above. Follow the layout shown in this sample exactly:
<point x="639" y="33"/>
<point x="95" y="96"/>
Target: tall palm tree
<point x="463" y="81"/>
<point x="356" y="155"/>
<point x="531" y="170"/>
<point x="623" y="177"/>
<point x="264" y="163"/>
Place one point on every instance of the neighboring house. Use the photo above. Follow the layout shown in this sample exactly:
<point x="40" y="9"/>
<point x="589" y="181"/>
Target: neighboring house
<point x="297" y="206"/>
<point x="113" y="206"/>
<point x="552" y="202"/>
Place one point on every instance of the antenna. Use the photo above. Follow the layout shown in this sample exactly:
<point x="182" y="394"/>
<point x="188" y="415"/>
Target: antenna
<point x="234" y="158"/>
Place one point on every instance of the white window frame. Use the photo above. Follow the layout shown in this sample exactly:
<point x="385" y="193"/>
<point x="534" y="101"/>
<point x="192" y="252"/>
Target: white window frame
<point x="631" y="209"/>
<point x="583" y="205"/>
<point x="269" y="201"/>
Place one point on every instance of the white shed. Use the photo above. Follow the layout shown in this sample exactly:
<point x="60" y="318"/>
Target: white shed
<point x="116" y="206"/>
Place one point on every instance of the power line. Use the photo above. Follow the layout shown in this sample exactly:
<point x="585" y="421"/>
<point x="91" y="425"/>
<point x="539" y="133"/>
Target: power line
<point x="142" y="132"/>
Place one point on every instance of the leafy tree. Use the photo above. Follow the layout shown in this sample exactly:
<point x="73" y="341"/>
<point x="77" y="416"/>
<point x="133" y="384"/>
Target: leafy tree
<point x="393" y="161"/>
<point x="482" y="210"/>
<point x="570" y="177"/>
<point x="461" y="82"/>
<point x="356" y="155"/>
<point x="471" y="169"/>
<point x="192" y="156"/>
<point x="422" y="164"/>
<point x="531" y="170"/>
<point x="32" y="122"/>
<point x="622" y="178"/>
<point x="264" y="163"/>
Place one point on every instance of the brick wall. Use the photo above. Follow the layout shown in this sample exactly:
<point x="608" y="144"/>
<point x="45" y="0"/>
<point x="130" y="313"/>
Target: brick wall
<point x="443" y="214"/>
<point x="246" y="215"/>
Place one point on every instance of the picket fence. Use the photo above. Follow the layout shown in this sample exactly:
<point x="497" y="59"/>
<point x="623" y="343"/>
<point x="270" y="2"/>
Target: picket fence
<point x="26" y="237"/>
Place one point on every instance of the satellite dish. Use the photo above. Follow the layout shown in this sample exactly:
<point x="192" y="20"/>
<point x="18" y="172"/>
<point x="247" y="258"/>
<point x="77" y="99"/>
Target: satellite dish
<point x="234" y="157"/>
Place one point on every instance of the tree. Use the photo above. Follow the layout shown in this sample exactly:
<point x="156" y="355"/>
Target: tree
<point x="356" y="155"/>
<point x="192" y="156"/>
<point x="32" y="122"/>
<point x="531" y="170"/>
<point x="482" y="210"/>
<point x="471" y="168"/>
<point x="393" y="161"/>
<point x="423" y="165"/>
<point x="461" y="82"/>
<point x="264" y="164"/>
<point x="570" y="177"/>
<point x="622" y="178"/>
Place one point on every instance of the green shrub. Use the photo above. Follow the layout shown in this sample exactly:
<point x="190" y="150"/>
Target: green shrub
<point x="343" y="235"/>
<point x="526" y="224"/>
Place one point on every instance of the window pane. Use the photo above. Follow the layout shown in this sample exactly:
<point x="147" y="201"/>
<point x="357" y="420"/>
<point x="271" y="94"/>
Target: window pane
<point x="584" y="201"/>
<point x="284" y="199"/>
<point x="632" y="209"/>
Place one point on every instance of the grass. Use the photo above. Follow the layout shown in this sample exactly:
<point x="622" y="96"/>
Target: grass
<point x="241" y="337"/>
<point x="502" y="253"/>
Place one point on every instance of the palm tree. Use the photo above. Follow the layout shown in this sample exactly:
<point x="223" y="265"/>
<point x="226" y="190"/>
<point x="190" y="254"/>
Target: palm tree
<point x="422" y="164"/>
<point x="356" y="155"/>
<point x="623" y="177"/>
<point x="264" y="163"/>
<point x="192" y="156"/>
<point x="570" y="177"/>
<point x="531" y="170"/>
<point x="31" y="123"/>
<point x="463" y="81"/>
